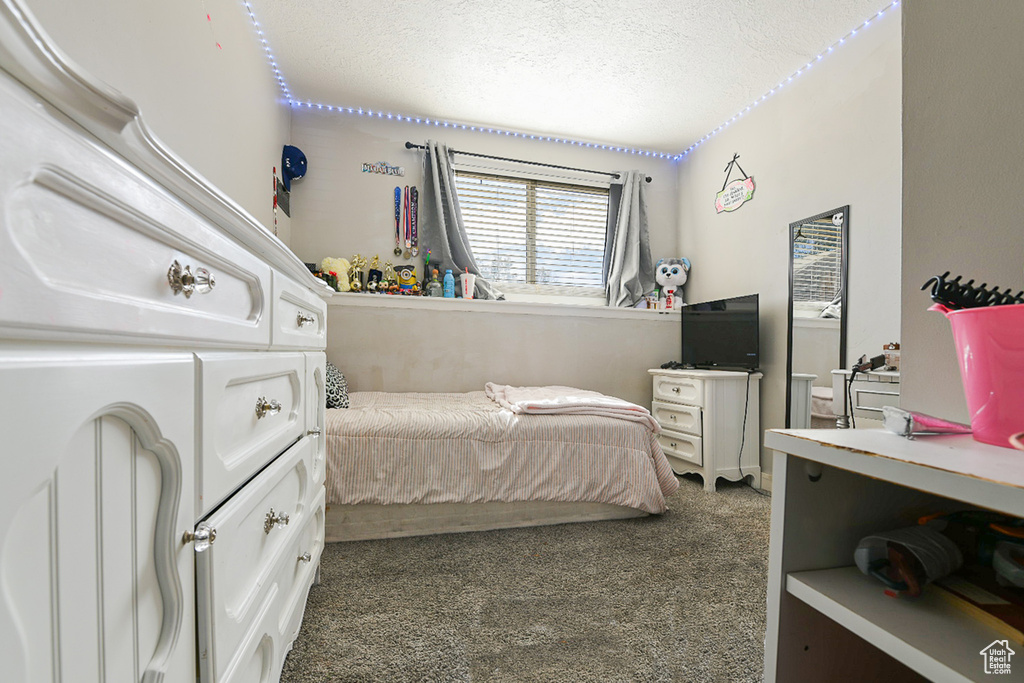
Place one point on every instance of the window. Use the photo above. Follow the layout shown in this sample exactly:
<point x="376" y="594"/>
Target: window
<point x="817" y="264"/>
<point x="535" y="232"/>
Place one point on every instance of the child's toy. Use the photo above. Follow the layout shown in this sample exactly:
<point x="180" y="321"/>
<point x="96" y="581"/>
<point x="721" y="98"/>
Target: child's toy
<point x="671" y="274"/>
<point x="340" y="268"/>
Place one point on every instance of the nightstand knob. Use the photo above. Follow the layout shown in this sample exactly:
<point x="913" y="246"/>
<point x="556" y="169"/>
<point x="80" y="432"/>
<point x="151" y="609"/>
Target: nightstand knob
<point x="672" y="417"/>
<point x="675" y="390"/>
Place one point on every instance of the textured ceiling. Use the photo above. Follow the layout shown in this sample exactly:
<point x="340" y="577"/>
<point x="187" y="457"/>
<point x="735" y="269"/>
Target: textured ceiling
<point x="656" y="75"/>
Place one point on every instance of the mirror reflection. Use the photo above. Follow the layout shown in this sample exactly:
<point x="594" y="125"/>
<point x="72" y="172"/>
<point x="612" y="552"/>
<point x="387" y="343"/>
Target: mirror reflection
<point x="817" y="324"/>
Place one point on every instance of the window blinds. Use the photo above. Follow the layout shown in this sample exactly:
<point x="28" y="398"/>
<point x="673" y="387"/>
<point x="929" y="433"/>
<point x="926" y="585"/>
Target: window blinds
<point x="817" y="258"/>
<point x="534" y="232"/>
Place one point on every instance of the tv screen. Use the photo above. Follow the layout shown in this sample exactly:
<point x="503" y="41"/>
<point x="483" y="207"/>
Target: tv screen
<point x="721" y="334"/>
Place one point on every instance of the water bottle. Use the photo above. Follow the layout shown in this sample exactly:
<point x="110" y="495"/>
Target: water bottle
<point x="449" y="284"/>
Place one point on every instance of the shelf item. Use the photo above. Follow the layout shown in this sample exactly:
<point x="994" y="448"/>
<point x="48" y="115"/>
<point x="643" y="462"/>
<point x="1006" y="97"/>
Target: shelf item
<point x="710" y="423"/>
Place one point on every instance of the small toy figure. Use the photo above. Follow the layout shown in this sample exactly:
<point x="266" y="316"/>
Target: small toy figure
<point x="406" y="278"/>
<point x="671" y="275"/>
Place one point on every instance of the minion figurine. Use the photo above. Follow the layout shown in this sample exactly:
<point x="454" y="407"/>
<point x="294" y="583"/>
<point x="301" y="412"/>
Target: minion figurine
<point x="406" y="279"/>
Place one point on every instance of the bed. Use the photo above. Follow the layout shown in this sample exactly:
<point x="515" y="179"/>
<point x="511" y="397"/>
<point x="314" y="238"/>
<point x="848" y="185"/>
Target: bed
<point x="404" y="464"/>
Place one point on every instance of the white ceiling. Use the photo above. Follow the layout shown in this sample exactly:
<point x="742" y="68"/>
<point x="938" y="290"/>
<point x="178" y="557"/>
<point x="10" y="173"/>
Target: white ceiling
<point x="656" y="75"/>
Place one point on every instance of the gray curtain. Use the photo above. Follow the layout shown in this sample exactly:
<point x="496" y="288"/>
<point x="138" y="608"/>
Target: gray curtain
<point x="441" y="229"/>
<point x="628" y="268"/>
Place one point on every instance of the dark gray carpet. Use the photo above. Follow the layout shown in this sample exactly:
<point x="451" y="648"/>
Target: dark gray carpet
<point x="680" y="597"/>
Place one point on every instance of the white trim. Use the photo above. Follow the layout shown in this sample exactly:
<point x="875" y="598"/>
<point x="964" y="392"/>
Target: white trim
<point x="488" y="306"/>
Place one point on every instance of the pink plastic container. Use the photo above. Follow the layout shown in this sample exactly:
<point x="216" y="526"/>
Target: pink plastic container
<point x="990" y="347"/>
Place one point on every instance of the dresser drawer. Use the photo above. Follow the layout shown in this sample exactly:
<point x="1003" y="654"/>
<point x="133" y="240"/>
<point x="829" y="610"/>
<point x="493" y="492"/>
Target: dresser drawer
<point x="235" y="577"/>
<point x="86" y="244"/>
<point x="679" y="390"/>
<point x="678" y="417"/>
<point x="252" y="407"/>
<point x="298" y="568"/>
<point x="683" y="446"/>
<point x="300" y="316"/>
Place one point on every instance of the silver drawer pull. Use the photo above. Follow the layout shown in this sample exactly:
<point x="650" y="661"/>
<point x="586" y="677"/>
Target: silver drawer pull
<point x="675" y="390"/>
<point x="672" y="417"/>
<point x="265" y="407"/>
<point x="278" y="519"/>
<point x="314" y="432"/>
<point x="305" y="557"/>
<point x="184" y="281"/>
<point x="672" y="445"/>
<point x="203" y="536"/>
<point x="302" y="320"/>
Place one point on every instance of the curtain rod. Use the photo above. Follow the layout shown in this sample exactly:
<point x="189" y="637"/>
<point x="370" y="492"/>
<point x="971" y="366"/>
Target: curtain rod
<point x="411" y="145"/>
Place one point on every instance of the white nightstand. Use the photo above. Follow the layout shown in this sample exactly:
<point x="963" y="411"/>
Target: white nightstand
<point x="710" y="422"/>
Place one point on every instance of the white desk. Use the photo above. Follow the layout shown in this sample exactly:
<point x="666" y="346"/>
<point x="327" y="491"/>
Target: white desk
<point x="870" y="392"/>
<point x="826" y="620"/>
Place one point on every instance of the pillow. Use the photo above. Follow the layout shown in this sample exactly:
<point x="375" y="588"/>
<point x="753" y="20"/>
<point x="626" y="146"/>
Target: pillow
<point x="337" y="387"/>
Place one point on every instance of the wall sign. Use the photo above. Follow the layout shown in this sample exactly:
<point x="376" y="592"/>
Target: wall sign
<point x="734" y="194"/>
<point x="384" y="168"/>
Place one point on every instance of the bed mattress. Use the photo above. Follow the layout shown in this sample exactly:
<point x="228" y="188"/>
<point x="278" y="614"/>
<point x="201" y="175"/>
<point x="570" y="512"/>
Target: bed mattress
<point x="409" y="448"/>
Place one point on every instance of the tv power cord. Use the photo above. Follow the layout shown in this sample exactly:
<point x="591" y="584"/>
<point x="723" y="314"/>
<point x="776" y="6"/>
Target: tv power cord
<point x="743" y="438"/>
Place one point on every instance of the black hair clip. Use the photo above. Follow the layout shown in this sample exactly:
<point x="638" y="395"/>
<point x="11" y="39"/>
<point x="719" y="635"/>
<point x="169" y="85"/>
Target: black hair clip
<point x="953" y="295"/>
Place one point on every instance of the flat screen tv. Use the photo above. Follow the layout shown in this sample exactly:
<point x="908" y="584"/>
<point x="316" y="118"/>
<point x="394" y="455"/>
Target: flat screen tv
<point x="721" y="334"/>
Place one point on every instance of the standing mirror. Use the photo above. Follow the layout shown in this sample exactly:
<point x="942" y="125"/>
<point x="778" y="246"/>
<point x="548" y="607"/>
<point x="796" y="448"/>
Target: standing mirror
<point x="818" y="274"/>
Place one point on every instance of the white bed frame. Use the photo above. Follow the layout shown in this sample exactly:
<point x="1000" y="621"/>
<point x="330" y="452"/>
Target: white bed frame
<point x="369" y="521"/>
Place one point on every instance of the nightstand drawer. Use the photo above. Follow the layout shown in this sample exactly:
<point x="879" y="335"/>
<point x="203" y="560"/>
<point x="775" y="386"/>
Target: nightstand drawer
<point x="678" y="417"/>
<point x="683" y="446"/>
<point x="679" y="390"/>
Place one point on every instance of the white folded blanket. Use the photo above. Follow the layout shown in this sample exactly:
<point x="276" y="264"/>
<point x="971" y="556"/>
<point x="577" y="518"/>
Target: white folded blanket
<point x="555" y="399"/>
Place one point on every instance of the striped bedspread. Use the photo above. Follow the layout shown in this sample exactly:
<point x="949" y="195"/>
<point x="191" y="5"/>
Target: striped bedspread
<point x="390" y="448"/>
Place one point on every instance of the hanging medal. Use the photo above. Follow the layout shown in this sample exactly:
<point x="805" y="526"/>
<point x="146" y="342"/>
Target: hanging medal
<point x="408" y="229"/>
<point x="414" y="200"/>
<point x="398" y="220"/>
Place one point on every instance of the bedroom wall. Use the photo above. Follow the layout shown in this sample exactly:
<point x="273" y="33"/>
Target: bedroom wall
<point x="962" y="200"/>
<point x="218" y="109"/>
<point x="828" y="139"/>
<point x="338" y="210"/>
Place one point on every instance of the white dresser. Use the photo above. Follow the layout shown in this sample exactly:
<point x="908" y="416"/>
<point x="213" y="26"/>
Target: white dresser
<point x="710" y="421"/>
<point x="162" y="373"/>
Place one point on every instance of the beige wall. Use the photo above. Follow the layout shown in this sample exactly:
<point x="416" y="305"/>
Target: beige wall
<point x="338" y="210"/>
<point x="216" y="108"/>
<point x="830" y="138"/>
<point x="962" y="197"/>
<point x="388" y="349"/>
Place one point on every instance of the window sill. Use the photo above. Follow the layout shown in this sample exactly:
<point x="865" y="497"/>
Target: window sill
<point x="486" y="306"/>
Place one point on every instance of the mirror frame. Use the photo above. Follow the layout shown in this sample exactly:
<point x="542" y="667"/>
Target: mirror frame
<point x="844" y="274"/>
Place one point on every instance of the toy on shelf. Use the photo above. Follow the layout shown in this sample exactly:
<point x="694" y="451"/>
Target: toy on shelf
<point x="671" y="275"/>
<point x="339" y="269"/>
<point x="407" y="280"/>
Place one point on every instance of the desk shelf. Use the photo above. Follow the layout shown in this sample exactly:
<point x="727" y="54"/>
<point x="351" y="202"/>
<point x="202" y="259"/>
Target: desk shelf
<point x="927" y="634"/>
<point x="826" y="620"/>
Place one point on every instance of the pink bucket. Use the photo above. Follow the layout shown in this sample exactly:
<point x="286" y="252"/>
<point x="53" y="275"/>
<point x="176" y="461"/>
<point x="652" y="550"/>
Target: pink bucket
<point x="990" y="347"/>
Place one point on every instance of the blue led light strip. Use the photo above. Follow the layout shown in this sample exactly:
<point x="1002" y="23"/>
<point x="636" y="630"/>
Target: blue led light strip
<point x="359" y="111"/>
<point x="786" y="81"/>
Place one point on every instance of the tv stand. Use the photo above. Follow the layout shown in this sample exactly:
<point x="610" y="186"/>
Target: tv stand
<point x="702" y="415"/>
